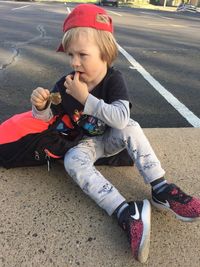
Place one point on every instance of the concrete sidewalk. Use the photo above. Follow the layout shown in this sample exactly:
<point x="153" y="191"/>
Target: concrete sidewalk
<point x="46" y="220"/>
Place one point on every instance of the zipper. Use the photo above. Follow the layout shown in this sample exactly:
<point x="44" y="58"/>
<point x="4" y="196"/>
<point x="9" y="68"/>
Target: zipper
<point x="48" y="156"/>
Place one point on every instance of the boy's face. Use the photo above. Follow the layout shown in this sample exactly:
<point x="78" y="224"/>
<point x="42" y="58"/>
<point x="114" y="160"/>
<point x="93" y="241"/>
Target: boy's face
<point x="85" y="58"/>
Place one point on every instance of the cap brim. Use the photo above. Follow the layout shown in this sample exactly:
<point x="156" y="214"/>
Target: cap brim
<point x="60" y="48"/>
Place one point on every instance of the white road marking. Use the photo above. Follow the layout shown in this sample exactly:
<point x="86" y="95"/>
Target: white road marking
<point x="115" y="13"/>
<point x="177" y="26"/>
<point x="169" y="97"/>
<point x="68" y="10"/>
<point x="142" y="12"/>
<point x="164" y="17"/>
<point x="20" y="7"/>
<point x="166" y="25"/>
<point x="154" y="14"/>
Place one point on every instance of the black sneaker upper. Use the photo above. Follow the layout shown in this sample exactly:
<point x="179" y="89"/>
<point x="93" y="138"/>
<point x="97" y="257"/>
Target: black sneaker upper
<point x="171" y="193"/>
<point x="132" y="212"/>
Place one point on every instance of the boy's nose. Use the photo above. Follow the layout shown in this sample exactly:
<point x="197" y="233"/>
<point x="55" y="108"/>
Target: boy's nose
<point x="75" y="62"/>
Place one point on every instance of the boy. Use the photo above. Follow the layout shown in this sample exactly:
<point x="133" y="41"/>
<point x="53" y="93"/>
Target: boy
<point x="95" y="96"/>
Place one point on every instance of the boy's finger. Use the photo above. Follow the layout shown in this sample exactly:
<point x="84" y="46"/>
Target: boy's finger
<point x="76" y="76"/>
<point x="41" y="96"/>
<point x="47" y="93"/>
<point x="69" y="77"/>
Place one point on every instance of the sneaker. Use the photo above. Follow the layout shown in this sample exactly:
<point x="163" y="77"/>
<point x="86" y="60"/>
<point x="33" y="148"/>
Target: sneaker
<point x="136" y="221"/>
<point x="185" y="207"/>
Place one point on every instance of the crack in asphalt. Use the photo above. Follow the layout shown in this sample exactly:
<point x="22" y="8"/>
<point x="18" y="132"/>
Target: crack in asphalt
<point x="16" y="47"/>
<point x="13" y="58"/>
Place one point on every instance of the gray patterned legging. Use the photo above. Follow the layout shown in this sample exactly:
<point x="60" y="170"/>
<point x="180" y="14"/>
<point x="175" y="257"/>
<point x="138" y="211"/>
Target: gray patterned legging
<point x="79" y="162"/>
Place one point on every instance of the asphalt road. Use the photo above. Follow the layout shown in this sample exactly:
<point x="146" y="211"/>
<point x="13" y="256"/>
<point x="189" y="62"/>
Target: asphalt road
<point x="161" y="64"/>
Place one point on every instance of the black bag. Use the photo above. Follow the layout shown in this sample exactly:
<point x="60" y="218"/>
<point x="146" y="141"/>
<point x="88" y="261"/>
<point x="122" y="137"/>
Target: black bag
<point x="38" y="148"/>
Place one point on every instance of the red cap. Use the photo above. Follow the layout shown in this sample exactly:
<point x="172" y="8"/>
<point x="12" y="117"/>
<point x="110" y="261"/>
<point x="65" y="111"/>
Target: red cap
<point x="87" y="15"/>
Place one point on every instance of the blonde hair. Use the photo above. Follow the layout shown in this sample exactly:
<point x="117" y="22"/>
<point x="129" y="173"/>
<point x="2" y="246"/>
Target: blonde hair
<point x="104" y="39"/>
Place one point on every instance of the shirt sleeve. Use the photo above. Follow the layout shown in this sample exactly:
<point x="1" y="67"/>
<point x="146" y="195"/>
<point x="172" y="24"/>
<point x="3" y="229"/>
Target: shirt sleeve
<point x="115" y="115"/>
<point x="44" y="115"/>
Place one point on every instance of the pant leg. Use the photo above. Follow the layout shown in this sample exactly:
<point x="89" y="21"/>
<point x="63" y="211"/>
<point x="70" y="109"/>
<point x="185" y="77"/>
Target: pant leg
<point x="79" y="164"/>
<point x="133" y="138"/>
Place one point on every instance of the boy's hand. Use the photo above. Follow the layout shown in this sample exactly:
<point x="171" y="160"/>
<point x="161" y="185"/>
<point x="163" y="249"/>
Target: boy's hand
<point x="40" y="97"/>
<point x="76" y="88"/>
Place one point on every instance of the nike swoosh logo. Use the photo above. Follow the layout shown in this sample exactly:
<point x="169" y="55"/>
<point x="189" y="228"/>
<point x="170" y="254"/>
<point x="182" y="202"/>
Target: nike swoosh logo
<point x="166" y="203"/>
<point x="136" y="216"/>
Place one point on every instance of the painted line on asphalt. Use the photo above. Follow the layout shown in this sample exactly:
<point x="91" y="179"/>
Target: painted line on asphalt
<point x="169" y="97"/>
<point x="154" y="14"/>
<point x="115" y="13"/>
<point x="68" y="10"/>
<point x="167" y="25"/>
<point x="177" y="26"/>
<point x="165" y="17"/>
<point x="20" y="7"/>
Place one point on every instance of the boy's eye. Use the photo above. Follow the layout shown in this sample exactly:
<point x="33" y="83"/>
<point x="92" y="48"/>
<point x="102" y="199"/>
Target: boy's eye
<point x="83" y="54"/>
